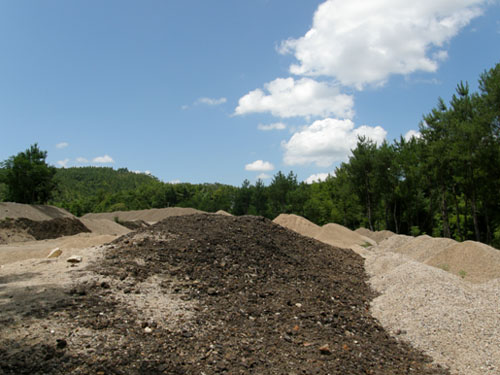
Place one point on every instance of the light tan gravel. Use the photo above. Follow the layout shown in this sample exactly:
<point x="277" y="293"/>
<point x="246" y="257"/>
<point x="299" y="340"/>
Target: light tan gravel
<point x="455" y="322"/>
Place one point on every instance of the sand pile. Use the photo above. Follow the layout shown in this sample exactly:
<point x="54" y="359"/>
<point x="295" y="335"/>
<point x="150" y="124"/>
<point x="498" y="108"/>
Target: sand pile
<point x="377" y="236"/>
<point x="222" y="212"/>
<point x="340" y="236"/>
<point x="152" y="215"/>
<point x="104" y="226"/>
<point x="455" y="322"/>
<point x="32" y="212"/>
<point x="298" y="224"/>
<point x="473" y="261"/>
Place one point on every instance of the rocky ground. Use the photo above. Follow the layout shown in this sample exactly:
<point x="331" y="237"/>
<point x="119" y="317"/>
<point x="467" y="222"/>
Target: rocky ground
<point x="206" y="294"/>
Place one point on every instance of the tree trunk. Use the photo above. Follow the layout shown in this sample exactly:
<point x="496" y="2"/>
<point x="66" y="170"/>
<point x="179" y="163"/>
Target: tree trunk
<point x="474" y="218"/>
<point x="444" y="214"/>
<point x="457" y="214"/>
<point x="395" y="218"/>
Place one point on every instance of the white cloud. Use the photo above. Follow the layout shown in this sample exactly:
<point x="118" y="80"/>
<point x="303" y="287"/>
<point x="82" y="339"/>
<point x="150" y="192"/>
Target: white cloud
<point x="412" y="134"/>
<point x="264" y="176"/>
<point x="63" y="163"/>
<point x="211" y="101"/>
<point x="259" y="166"/>
<point x="103" y="159"/>
<point x="274" y="126"/>
<point x="327" y="141"/>
<point x="81" y="160"/>
<point x="62" y="145"/>
<point x="360" y="42"/>
<point x="287" y="97"/>
<point x="174" y="182"/>
<point x="318" y="177"/>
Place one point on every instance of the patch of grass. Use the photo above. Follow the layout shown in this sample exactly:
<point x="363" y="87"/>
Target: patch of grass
<point x="462" y="274"/>
<point x="444" y="267"/>
<point x="366" y="244"/>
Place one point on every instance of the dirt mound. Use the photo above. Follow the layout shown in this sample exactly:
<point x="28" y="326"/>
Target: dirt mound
<point x="104" y="226"/>
<point x="377" y="236"/>
<point x="152" y="215"/>
<point x="340" y="236"/>
<point x="298" y="224"/>
<point x="32" y="212"/>
<point x="473" y="261"/>
<point x="40" y="230"/>
<point x="258" y="299"/>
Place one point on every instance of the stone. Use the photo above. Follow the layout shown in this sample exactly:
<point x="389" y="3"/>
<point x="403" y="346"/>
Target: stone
<point x="75" y="259"/>
<point x="55" y="253"/>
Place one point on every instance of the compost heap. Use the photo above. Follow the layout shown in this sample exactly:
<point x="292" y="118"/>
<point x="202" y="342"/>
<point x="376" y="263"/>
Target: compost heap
<point x="210" y="294"/>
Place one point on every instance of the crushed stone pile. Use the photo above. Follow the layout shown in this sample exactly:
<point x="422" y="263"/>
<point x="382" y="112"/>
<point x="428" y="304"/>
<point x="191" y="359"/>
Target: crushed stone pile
<point x="452" y="320"/>
<point x="152" y="215"/>
<point x="257" y="298"/>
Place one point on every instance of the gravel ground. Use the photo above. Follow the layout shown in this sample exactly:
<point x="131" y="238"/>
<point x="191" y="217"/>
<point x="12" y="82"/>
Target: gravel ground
<point x="452" y="320"/>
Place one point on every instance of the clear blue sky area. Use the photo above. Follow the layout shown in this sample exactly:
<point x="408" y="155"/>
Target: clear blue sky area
<point x="222" y="91"/>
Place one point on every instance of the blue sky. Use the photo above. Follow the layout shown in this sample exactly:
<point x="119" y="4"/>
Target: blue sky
<point x="219" y="91"/>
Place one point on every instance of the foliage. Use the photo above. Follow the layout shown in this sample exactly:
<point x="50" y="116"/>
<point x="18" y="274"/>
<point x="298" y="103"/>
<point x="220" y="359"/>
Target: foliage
<point x="27" y="177"/>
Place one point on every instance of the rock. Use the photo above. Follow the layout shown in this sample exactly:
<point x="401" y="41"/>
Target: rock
<point x="61" y="343"/>
<point x="325" y="349"/>
<point x="148" y="330"/>
<point x="55" y="253"/>
<point x="74" y="259"/>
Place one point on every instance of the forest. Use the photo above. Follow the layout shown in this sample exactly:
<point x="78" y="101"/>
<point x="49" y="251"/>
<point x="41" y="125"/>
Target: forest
<point x="444" y="182"/>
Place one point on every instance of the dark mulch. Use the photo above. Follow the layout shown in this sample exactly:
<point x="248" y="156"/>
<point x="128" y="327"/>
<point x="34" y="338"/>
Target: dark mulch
<point x="269" y="301"/>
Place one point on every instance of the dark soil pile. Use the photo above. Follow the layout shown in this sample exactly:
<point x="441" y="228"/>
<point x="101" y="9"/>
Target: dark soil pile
<point x="265" y="300"/>
<point x="47" y="229"/>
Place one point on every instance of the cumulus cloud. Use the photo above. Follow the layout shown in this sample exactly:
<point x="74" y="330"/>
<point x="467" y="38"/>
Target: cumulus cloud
<point x="362" y="42"/>
<point x="81" y="160"/>
<point x="103" y="159"/>
<point x="62" y="145"/>
<point x="259" y="166"/>
<point x="287" y="97"/>
<point x="318" y="177"/>
<point x="274" y="126"/>
<point x="63" y="163"/>
<point x="327" y="141"/>
<point x="412" y="134"/>
<point x="211" y="101"/>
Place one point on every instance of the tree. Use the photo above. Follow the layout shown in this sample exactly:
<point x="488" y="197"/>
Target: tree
<point x="28" y="177"/>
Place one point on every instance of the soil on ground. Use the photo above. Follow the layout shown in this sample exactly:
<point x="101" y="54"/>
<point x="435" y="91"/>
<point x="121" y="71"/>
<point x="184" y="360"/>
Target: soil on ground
<point x="208" y="294"/>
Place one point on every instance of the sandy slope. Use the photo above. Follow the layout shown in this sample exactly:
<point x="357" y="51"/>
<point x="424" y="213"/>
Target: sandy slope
<point x="151" y="216"/>
<point x="32" y="212"/>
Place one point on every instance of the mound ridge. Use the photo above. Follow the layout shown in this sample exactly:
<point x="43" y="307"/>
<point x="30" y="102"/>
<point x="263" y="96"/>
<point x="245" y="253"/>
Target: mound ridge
<point x="152" y="215"/>
<point x="258" y="299"/>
